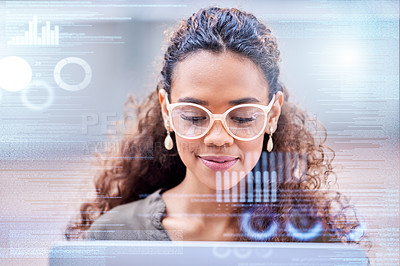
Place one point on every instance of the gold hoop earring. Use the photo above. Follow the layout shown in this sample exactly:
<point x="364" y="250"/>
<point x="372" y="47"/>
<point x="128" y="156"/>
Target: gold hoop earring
<point x="168" y="142"/>
<point x="270" y="144"/>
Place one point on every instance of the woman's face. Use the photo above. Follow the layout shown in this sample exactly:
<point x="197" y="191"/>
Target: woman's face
<point x="219" y="82"/>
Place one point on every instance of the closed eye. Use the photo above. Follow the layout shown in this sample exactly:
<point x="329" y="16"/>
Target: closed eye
<point x="193" y="118"/>
<point x="243" y="119"/>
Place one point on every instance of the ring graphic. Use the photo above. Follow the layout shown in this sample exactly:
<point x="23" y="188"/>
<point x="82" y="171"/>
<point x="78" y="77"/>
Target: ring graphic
<point x="311" y="233"/>
<point x="38" y="85"/>
<point x="221" y="252"/>
<point x="72" y="87"/>
<point x="242" y="253"/>
<point x="357" y="233"/>
<point x="263" y="252"/>
<point x="257" y="235"/>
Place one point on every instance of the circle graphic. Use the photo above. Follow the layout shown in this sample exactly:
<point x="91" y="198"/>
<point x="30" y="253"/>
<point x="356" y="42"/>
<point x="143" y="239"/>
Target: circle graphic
<point x="263" y="252"/>
<point x="254" y="234"/>
<point x="37" y="85"/>
<point x="72" y="87"/>
<point x="242" y="253"/>
<point x="357" y="233"/>
<point x="311" y="233"/>
<point x="15" y="73"/>
<point x="221" y="253"/>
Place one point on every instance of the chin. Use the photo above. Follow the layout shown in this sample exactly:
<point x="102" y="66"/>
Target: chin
<point x="224" y="180"/>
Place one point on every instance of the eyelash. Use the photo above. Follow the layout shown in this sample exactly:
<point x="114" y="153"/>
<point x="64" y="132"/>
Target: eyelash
<point x="196" y="119"/>
<point x="193" y="118"/>
<point x="243" y="120"/>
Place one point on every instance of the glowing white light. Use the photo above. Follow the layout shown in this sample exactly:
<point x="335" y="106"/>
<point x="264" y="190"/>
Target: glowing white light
<point x="349" y="57"/>
<point x="15" y="73"/>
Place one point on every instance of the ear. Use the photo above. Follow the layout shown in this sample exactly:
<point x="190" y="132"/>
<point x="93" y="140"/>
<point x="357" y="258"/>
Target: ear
<point x="162" y="94"/>
<point x="274" y="113"/>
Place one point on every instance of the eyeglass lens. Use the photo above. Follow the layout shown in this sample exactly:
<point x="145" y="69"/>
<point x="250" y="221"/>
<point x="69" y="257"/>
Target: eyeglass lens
<point x="243" y="122"/>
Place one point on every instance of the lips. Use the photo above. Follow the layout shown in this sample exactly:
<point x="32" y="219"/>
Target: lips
<point x="218" y="163"/>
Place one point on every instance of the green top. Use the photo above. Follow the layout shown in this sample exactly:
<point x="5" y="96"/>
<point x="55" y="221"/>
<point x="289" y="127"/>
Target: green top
<point x="138" y="220"/>
<point x="141" y="220"/>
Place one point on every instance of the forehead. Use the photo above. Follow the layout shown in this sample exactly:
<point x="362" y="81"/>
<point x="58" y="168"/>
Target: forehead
<point x="218" y="78"/>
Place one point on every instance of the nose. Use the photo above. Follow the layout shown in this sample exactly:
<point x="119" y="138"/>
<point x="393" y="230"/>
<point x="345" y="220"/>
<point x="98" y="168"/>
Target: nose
<point x="218" y="135"/>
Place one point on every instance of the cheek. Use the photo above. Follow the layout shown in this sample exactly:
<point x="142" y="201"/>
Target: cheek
<point x="251" y="151"/>
<point x="186" y="149"/>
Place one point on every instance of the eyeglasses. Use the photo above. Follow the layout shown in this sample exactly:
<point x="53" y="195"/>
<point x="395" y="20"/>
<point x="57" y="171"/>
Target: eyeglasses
<point x="243" y="122"/>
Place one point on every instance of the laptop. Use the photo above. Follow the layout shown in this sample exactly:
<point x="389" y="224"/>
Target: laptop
<point x="190" y="253"/>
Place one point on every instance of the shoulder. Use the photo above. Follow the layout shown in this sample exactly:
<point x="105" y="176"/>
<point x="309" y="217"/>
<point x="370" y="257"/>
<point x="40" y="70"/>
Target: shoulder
<point x="138" y="220"/>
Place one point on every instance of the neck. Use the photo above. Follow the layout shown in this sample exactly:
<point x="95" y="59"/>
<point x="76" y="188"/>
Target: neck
<point x="193" y="198"/>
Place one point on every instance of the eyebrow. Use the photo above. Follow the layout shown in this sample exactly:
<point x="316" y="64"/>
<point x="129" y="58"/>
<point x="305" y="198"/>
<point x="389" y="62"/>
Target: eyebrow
<point x="192" y="100"/>
<point x="244" y="100"/>
<point x="205" y="103"/>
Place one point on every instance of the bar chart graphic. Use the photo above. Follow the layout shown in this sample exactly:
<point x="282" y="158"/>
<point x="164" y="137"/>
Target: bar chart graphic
<point x="254" y="191"/>
<point x="38" y="35"/>
<point x="261" y="184"/>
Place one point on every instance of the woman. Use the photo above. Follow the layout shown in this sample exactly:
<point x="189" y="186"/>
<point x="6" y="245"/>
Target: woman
<point x="219" y="152"/>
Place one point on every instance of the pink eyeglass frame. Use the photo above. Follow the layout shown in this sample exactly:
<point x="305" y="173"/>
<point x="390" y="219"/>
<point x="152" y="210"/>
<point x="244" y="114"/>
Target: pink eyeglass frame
<point x="220" y="117"/>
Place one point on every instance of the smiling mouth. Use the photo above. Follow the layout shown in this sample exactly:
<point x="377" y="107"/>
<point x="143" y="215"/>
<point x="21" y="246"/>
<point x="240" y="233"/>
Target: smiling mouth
<point x="218" y="163"/>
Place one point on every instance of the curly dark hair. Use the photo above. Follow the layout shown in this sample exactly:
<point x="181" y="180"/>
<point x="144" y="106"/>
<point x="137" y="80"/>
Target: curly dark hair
<point x="303" y="199"/>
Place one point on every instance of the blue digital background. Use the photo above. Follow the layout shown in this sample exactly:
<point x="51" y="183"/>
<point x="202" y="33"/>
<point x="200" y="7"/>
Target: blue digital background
<point x="340" y="62"/>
